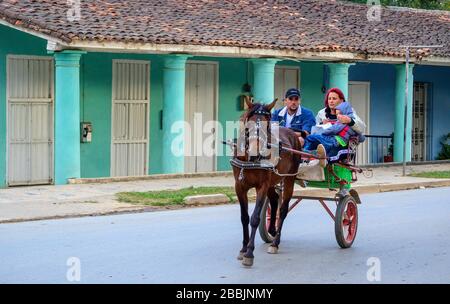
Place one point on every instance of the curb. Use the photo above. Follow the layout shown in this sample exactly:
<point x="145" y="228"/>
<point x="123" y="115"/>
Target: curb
<point x="379" y="188"/>
<point x="404" y="186"/>
<point x="362" y="189"/>
<point x="104" y="180"/>
<point x="66" y="216"/>
<point x="397" y="164"/>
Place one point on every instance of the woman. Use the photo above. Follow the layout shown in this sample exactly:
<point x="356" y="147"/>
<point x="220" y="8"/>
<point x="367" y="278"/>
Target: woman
<point x="329" y="145"/>
<point x="333" y="98"/>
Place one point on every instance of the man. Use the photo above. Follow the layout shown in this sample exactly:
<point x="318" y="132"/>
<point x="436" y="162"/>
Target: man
<point x="294" y="116"/>
<point x="301" y="120"/>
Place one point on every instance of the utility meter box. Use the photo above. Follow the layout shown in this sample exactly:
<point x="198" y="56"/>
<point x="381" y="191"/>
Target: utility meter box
<point x="86" y="132"/>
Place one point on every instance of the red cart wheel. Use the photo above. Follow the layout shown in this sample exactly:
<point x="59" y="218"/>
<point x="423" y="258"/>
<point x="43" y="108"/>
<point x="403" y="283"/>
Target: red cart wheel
<point x="265" y="222"/>
<point x="346" y="221"/>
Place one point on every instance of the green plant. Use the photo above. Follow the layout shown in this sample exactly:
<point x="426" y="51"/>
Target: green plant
<point x="445" y="152"/>
<point x="171" y="197"/>
<point x="432" y="174"/>
<point x="391" y="146"/>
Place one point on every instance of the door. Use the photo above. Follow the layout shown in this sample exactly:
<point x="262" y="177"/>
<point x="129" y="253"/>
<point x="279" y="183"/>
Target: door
<point x="200" y="114"/>
<point x="30" y="120"/>
<point x="359" y="97"/>
<point x="286" y="77"/>
<point x="130" y="117"/>
<point x="419" y="122"/>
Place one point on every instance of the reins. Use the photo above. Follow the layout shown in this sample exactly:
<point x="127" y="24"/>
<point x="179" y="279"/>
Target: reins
<point x="253" y="165"/>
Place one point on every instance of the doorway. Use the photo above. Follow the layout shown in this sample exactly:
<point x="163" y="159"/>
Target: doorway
<point x="200" y="108"/>
<point x="130" y="117"/>
<point x="419" y="122"/>
<point x="286" y="77"/>
<point x="30" y="98"/>
<point x="359" y="97"/>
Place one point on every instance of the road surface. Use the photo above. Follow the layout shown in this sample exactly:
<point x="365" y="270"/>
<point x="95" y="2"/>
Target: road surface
<point x="403" y="237"/>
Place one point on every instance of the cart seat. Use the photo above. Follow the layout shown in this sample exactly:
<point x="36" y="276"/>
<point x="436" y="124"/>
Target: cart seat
<point x="347" y="155"/>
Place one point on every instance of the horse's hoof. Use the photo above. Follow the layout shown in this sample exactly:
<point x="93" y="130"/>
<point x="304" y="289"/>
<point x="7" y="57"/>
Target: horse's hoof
<point x="240" y="256"/>
<point x="247" y="261"/>
<point x="272" y="250"/>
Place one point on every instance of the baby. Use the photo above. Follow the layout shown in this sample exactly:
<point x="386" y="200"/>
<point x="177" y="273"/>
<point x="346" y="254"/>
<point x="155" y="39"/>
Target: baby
<point x="329" y="139"/>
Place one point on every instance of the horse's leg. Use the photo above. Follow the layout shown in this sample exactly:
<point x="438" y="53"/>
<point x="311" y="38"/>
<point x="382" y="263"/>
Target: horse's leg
<point x="261" y="194"/>
<point x="284" y="209"/>
<point x="273" y="198"/>
<point x="243" y="202"/>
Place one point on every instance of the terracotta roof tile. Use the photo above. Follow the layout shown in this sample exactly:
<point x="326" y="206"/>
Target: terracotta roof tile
<point x="298" y="25"/>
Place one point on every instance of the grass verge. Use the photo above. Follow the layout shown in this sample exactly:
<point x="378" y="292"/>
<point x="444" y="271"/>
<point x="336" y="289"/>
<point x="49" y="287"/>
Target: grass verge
<point x="171" y="197"/>
<point x="432" y="174"/>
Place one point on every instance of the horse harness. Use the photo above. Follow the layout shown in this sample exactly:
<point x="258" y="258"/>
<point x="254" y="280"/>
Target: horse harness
<point x="262" y="163"/>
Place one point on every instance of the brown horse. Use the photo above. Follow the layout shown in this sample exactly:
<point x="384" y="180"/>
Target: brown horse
<point x="254" y="143"/>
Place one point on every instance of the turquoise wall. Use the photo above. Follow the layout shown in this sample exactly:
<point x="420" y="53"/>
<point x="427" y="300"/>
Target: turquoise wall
<point x="15" y="43"/>
<point x="95" y="103"/>
<point x="96" y="95"/>
<point x="232" y="77"/>
<point x="234" y="73"/>
<point x="311" y="83"/>
<point x="96" y="87"/>
<point x="96" y="106"/>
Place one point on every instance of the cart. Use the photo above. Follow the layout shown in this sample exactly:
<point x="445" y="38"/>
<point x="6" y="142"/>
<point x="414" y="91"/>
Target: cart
<point x="340" y="173"/>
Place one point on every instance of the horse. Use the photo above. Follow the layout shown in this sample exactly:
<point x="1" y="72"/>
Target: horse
<point x="255" y="141"/>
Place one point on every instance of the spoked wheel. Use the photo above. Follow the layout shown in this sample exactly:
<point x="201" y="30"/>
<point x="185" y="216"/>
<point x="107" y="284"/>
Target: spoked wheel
<point x="346" y="221"/>
<point x="265" y="222"/>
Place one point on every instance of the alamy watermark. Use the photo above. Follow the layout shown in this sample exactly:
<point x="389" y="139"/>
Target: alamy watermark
<point x="199" y="138"/>
<point x="374" y="11"/>
<point x="374" y="272"/>
<point x="74" y="11"/>
<point x="73" y="273"/>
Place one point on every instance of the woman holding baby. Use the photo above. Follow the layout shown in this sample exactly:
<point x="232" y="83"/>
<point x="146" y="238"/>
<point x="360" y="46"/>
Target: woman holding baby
<point x="334" y="125"/>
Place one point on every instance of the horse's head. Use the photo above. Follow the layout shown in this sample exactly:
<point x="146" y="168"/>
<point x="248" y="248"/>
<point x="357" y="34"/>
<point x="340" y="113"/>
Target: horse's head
<point x="256" y="132"/>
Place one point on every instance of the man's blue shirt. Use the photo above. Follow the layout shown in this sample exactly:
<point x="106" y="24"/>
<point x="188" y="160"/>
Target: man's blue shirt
<point x="303" y="120"/>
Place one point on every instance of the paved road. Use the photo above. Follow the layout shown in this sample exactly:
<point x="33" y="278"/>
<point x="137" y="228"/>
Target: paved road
<point x="407" y="231"/>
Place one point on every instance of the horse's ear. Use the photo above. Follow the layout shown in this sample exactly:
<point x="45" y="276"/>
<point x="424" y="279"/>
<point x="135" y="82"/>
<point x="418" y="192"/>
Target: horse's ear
<point x="270" y="106"/>
<point x="249" y="101"/>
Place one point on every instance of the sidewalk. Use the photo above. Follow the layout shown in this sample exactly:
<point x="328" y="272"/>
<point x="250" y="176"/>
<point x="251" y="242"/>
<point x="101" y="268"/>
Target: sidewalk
<point x="45" y="202"/>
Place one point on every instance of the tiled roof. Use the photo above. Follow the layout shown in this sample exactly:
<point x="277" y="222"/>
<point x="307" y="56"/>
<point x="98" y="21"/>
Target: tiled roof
<point x="295" y="25"/>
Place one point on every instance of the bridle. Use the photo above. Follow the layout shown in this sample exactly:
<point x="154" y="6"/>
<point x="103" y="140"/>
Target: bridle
<point x="259" y="133"/>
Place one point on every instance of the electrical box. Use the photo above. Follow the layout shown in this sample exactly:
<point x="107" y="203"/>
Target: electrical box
<point x="86" y="132"/>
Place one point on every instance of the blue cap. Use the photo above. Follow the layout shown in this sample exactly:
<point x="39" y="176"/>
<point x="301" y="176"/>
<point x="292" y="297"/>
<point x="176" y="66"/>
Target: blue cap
<point x="292" y="92"/>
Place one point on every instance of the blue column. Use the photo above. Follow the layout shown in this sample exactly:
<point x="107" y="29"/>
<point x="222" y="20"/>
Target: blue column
<point x="338" y="76"/>
<point x="264" y="79"/>
<point x="67" y="115"/>
<point x="400" y="127"/>
<point x="173" y="112"/>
